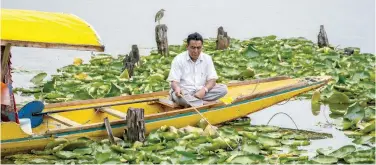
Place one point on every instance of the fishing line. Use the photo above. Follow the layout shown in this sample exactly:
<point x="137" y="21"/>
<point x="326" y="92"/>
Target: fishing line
<point x="208" y="123"/>
<point x="286" y="115"/>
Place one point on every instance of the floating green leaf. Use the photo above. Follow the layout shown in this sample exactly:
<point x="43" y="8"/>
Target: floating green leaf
<point x="338" y="98"/>
<point x="343" y="151"/>
<point x="37" y="79"/>
<point x="322" y="159"/>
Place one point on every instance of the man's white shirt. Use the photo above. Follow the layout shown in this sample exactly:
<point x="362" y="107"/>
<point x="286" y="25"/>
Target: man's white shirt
<point x="192" y="76"/>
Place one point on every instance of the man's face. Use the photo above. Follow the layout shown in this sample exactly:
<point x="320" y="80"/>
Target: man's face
<point x="194" y="49"/>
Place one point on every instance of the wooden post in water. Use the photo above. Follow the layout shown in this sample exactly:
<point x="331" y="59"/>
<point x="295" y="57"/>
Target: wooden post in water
<point x="161" y="39"/>
<point x="109" y="130"/>
<point x="322" y="39"/>
<point x="131" y="60"/>
<point x="223" y="40"/>
<point x="135" y="124"/>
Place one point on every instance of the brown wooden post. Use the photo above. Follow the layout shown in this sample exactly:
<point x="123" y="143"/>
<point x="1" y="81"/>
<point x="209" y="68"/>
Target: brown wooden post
<point x="130" y="60"/>
<point x="135" y="124"/>
<point x="109" y="130"/>
<point x="223" y="40"/>
<point x="161" y="39"/>
<point x="322" y="38"/>
<point x="135" y="54"/>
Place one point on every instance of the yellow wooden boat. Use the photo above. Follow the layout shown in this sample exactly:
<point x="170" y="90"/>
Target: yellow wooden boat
<point x="242" y="99"/>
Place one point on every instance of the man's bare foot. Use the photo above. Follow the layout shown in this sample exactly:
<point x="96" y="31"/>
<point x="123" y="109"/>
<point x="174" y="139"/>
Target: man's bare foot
<point x="210" y="102"/>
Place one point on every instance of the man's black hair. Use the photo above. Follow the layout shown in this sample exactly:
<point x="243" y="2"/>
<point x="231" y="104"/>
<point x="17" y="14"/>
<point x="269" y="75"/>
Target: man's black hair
<point x="195" y="36"/>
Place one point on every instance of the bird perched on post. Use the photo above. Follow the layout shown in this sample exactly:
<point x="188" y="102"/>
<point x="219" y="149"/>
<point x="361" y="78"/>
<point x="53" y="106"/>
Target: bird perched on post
<point x="159" y="15"/>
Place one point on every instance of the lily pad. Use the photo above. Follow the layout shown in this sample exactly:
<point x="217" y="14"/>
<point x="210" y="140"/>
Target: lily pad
<point x="322" y="159"/>
<point x="37" y="79"/>
<point x="268" y="142"/>
<point x="355" y="113"/>
<point x="343" y="151"/>
<point x="248" y="159"/>
<point x="251" y="148"/>
<point x="338" y="98"/>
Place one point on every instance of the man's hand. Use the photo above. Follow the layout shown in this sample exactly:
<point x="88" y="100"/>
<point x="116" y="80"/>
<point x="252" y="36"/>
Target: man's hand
<point x="200" y="94"/>
<point x="176" y="87"/>
<point x="178" y="93"/>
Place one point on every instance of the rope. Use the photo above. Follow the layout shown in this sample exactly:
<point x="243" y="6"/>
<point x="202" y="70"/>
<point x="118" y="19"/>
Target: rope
<point x="286" y="115"/>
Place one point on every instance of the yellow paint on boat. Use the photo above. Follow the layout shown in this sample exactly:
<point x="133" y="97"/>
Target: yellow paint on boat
<point x="13" y="141"/>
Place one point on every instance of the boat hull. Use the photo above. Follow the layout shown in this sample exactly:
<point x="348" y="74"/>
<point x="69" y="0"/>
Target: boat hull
<point x="18" y="141"/>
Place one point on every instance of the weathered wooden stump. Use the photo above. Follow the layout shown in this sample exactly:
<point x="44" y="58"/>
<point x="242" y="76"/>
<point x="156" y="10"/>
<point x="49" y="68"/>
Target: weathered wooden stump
<point x="135" y="54"/>
<point x="130" y="60"/>
<point x="161" y="39"/>
<point x="322" y="38"/>
<point x="223" y="40"/>
<point x="135" y="124"/>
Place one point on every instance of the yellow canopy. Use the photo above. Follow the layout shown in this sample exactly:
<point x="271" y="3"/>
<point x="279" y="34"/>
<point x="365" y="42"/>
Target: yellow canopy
<point x="28" y="28"/>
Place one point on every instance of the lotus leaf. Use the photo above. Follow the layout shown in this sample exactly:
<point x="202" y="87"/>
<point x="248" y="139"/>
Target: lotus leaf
<point x="37" y="79"/>
<point x="66" y="154"/>
<point x="359" y="160"/>
<point x="338" y="98"/>
<point x="102" y="157"/>
<point x="268" y="142"/>
<point x="55" y="143"/>
<point x="248" y="159"/>
<point x="296" y="142"/>
<point x="343" y="151"/>
<point x="251" y="149"/>
<point x="355" y="113"/>
<point x="322" y="159"/>
<point x="70" y="146"/>
<point x="83" y="151"/>
<point x="210" y="131"/>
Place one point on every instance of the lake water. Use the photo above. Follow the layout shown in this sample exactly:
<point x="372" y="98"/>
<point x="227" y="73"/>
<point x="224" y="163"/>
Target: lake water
<point x="121" y="23"/>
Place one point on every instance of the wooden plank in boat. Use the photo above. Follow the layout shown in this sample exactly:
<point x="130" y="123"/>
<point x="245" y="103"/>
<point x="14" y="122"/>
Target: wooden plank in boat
<point x="63" y="120"/>
<point x="106" y="100"/>
<point x="123" y="121"/>
<point x="176" y="112"/>
<point x="114" y="112"/>
<point x="167" y="103"/>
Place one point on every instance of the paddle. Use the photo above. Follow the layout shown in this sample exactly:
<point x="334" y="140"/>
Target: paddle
<point x="28" y="110"/>
<point x="33" y="110"/>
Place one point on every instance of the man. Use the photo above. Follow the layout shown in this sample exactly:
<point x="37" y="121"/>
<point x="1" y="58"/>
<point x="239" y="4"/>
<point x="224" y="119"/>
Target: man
<point x="193" y="76"/>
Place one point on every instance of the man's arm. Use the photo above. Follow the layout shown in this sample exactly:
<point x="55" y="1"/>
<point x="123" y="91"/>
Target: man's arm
<point x="174" y="77"/>
<point x="210" y="84"/>
<point x="176" y="87"/>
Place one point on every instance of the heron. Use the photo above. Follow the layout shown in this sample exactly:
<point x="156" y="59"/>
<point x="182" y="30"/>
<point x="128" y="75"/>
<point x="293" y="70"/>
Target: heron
<point x="159" y="15"/>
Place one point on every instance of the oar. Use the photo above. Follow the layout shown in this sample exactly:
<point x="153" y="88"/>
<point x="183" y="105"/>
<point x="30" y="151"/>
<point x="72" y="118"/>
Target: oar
<point x="33" y="110"/>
